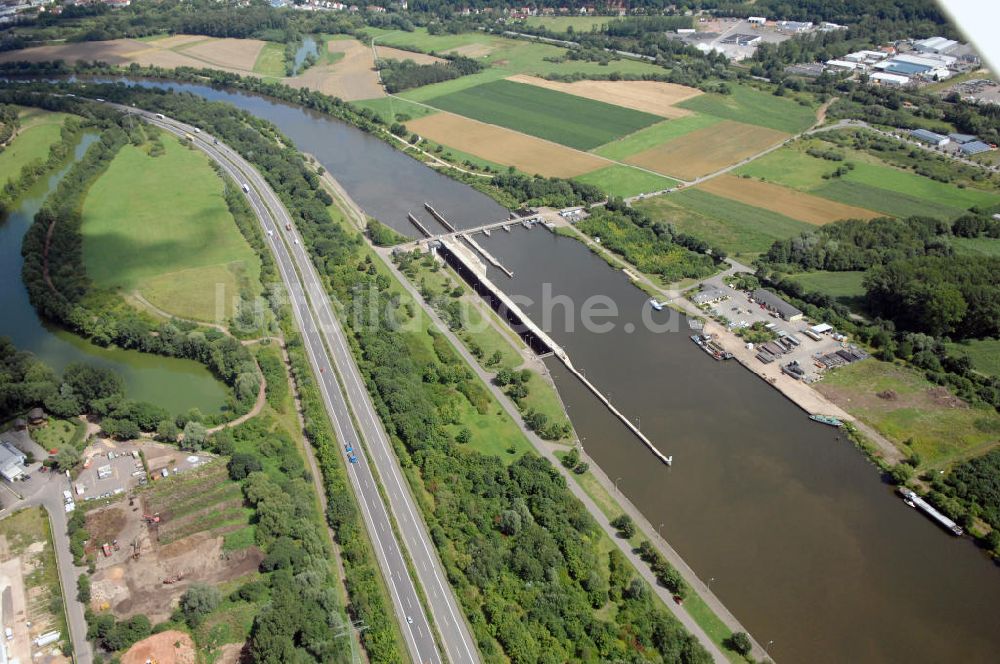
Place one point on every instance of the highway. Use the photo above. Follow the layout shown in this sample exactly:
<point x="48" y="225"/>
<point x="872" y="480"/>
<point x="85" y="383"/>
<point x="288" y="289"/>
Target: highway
<point x="330" y="356"/>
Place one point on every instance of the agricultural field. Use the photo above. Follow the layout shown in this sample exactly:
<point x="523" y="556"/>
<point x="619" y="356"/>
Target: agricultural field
<point x="742" y="230"/>
<point x="653" y="136"/>
<point x="505" y="57"/>
<point x="348" y="72"/>
<point x="394" y="109"/>
<point x="912" y="412"/>
<point x="197" y="510"/>
<point x="573" y="121"/>
<point x="647" y="96"/>
<point x="625" y="182"/>
<point x="706" y="150"/>
<point x="752" y="106"/>
<point x="871" y="183"/>
<point x="981" y="246"/>
<point x="271" y="61"/>
<point x="32" y="594"/>
<point x="38" y="131"/>
<point x="183" y="253"/>
<point x="789" y="202"/>
<point x="504" y="146"/>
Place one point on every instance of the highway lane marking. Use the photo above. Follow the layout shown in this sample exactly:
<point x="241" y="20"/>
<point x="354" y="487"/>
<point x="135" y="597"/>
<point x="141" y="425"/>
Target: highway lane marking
<point x="302" y="310"/>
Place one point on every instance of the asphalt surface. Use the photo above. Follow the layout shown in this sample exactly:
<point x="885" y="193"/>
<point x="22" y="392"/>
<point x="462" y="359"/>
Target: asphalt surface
<point x="330" y="356"/>
<point x="46" y="490"/>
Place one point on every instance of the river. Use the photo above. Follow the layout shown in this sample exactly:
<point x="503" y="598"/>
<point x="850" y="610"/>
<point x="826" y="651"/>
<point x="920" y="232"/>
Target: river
<point x="802" y="541"/>
<point x="177" y="385"/>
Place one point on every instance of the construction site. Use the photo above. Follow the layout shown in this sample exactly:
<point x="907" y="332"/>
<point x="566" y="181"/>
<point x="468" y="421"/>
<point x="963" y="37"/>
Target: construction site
<point x="152" y="544"/>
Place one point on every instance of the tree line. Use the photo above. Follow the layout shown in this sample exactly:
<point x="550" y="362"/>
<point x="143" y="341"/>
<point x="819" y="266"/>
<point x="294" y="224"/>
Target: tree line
<point x="399" y="75"/>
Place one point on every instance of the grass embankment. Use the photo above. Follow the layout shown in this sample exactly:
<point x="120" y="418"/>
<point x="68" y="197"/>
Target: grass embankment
<point x="742" y="230"/>
<point x="22" y="533"/>
<point x="160" y="225"/>
<point x="39" y="130"/>
<point x="913" y="413"/>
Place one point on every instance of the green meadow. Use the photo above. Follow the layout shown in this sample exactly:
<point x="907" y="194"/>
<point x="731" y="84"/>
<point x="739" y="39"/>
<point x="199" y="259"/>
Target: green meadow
<point x="623" y="181"/>
<point x="752" y="106"/>
<point x="39" y="130"/>
<point x="654" y="135"/>
<point x="160" y="225"/>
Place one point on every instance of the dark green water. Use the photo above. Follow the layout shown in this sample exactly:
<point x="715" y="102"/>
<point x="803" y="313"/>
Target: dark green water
<point x="177" y="385"/>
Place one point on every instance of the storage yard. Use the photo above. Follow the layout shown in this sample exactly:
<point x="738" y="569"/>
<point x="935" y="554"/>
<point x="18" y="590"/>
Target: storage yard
<point x="154" y="544"/>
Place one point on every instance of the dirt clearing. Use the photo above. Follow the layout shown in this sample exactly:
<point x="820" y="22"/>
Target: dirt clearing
<point x="234" y="54"/>
<point x="350" y="78"/>
<point x="472" y="50"/>
<point x="390" y="53"/>
<point x="649" y="96"/>
<point x="171" y="647"/>
<point x="707" y="150"/>
<point x="113" y="52"/>
<point x="789" y="202"/>
<point x="504" y="146"/>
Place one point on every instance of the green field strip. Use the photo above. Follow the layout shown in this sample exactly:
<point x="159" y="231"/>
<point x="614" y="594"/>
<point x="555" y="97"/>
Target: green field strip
<point x="882" y="200"/>
<point x="654" y="135"/>
<point x="625" y="181"/>
<point x="556" y="116"/>
<point x="746" y="104"/>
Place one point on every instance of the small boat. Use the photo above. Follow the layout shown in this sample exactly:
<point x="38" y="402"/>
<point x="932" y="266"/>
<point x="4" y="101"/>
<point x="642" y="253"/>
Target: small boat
<point x="486" y="232"/>
<point x="507" y="228"/>
<point x="656" y="305"/>
<point x="826" y="419"/>
<point x="910" y="502"/>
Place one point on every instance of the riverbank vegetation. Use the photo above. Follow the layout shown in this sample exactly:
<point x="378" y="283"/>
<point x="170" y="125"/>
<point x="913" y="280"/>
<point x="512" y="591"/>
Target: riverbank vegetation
<point x="35" y="152"/>
<point x="655" y="248"/>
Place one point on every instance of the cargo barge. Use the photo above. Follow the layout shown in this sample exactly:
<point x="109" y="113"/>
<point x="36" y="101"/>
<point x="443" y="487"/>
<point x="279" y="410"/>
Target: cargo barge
<point x="913" y="500"/>
<point x="708" y="344"/>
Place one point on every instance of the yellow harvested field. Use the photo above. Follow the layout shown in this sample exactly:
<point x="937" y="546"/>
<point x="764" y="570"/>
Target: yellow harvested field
<point x="650" y="96"/>
<point x="504" y="146"/>
<point x="233" y="54"/>
<point x="113" y="52"/>
<point x="707" y="150"/>
<point x="352" y="77"/>
<point x="389" y="53"/>
<point x="789" y="202"/>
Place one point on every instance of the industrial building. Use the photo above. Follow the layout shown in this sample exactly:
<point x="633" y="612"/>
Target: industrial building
<point x="974" y="147"/>
<point x="929" y="137"/>
<point x="795" y="26"/>
<point x="710" y="296"/>
<point x="935" y="45"/>
<point x="740" y="39"/>
<point x="894" y="80"/>
<point x="774" y="303"/>
<point x="12" y="461"/>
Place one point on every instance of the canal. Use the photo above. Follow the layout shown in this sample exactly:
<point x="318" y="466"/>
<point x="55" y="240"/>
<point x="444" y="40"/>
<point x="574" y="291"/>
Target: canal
<point x="803" y="542"/>
<point x="177" y="385"/>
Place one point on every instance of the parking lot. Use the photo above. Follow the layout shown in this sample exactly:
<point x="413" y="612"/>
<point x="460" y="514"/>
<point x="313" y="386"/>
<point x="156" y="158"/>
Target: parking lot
<point x="808" y="354"/>
<point x="112" y="468"/>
